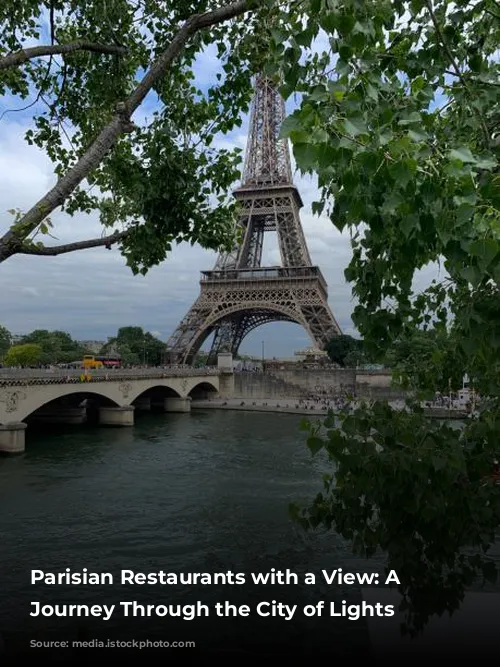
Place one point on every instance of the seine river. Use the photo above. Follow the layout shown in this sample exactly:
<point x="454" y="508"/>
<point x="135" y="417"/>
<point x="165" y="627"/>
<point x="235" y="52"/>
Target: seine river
<point x="200" y="492"/>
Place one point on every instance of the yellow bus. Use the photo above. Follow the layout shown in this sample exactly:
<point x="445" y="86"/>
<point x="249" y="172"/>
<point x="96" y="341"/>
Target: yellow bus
<point x="89" y="361"/>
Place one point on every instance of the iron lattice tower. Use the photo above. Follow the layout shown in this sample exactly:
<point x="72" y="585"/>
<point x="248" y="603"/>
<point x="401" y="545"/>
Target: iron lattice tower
<point x="239" y="294"/>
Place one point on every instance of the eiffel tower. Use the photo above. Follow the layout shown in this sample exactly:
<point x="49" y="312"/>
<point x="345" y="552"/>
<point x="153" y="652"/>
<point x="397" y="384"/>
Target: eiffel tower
<point x="239" y="294"/>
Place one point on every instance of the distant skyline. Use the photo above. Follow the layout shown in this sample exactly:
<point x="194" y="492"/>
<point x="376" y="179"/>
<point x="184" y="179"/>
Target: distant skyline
<point x="91" y="294"/>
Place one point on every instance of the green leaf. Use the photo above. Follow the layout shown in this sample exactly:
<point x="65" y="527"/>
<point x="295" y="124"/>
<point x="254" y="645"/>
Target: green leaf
<point x="355" y="126"/>
<point x="464" y="213"/>
<point x="305" y="155"/>
<point x="372" y="92"/>
<point x="315" y="444"/>
<point x="486" y="249"/>
<point x="317" y="207"/>
<point x="347" y="142"/>
<point x="300" y="137"/>
<point x="403" y="170"/>
<point x="486" y="162"/>
<point x="438" y="463"/>
<point x="463" y="154"/>
<point x="384" y="138"/>
<point x="279" y="36"/>
<point x="409" y="224"/>
<point x="418" y="84"/>
<point x="304" y="38"/>
<point x="305" y="425"/>
<point x="411" y="118"/>
<point x="417" y="135"/>
<point x="319" y="94"/>
<point x="392" y="201"/>
<point x="472" y="274"/>
<point x="291" y="123"/>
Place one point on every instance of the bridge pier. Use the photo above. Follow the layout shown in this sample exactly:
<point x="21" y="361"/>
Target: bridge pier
<point x="12" y="438"/>
<point x="226" y="378"/>
<point x="226" y="385"/>
<point x="225" y="362"/>
<point x="172" y="404"/>
<point x="117" y="416"/>
<point x="61" y="415"/>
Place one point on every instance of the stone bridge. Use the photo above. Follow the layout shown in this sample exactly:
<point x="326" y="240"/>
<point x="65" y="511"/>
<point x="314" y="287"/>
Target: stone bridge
<point x="108" y="396"/>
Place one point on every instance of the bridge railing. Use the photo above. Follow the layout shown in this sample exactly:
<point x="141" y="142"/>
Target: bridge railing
<point x="28" y="376"/>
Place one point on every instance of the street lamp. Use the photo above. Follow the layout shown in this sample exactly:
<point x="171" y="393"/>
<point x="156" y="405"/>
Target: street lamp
<point x="263" y="352"/>
<point x="144" y="351"/>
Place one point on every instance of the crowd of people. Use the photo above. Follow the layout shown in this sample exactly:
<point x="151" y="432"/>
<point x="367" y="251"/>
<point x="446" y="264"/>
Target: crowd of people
<point x="339" y="400"/>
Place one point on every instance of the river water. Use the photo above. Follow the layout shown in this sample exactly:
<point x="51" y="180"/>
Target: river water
<point x="200" y="492"/>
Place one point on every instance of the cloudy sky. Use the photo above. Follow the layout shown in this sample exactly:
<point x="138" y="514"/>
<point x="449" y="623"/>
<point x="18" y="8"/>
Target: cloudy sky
<point x="92" y="293"/>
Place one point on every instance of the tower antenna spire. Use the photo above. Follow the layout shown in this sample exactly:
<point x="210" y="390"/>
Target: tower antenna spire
<point x="267" y="159"/>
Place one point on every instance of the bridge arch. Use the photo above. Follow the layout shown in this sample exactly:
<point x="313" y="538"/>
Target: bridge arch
<point x="204" y="390"/>
<point x="65" y="396"/>
<point x="157" y="391"/>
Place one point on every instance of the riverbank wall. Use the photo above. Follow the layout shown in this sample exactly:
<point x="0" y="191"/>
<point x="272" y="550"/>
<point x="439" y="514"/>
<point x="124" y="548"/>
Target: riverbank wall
<point x="310" y="409"/>
<point x="288" y="383"/>
<point x="259" y="407"/>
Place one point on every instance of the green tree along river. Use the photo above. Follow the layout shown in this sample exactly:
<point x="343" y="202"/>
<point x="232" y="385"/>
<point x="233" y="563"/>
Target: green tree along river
<point x="201" y="492"/>
<point x="204" y="492"/>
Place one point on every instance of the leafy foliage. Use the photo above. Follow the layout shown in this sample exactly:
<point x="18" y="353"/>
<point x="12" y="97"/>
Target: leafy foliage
<point x="56" y="346"/>
<point x="155" y="181"/>
<point x="399" y="118"/>
<point x="136" y="346"/>
<point x="430" y="359"/>
<point x="342" y="349"/>
<point x="421" y="491"/>
<point x="5" y="341"/>
<point x="28" y="354"/>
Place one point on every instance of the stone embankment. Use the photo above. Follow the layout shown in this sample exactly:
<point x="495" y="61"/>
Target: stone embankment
<point x="309" y="408"/>
<point x="290" y="385"/>
<point x="271" y="405"/>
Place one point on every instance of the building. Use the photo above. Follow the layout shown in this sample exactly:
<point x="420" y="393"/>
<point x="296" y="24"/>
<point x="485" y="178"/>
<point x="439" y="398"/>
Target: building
<point x="92" y="346"/>
<point x="311" y="354"/>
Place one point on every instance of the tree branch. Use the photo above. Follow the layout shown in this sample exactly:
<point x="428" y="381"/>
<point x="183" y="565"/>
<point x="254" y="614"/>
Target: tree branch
<point x="107" y="241"/>
<point x="19" y="57"/>
<point x="118" y="125"/>
<point x="492" y="13"/>
<point x="455" y="66"/>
